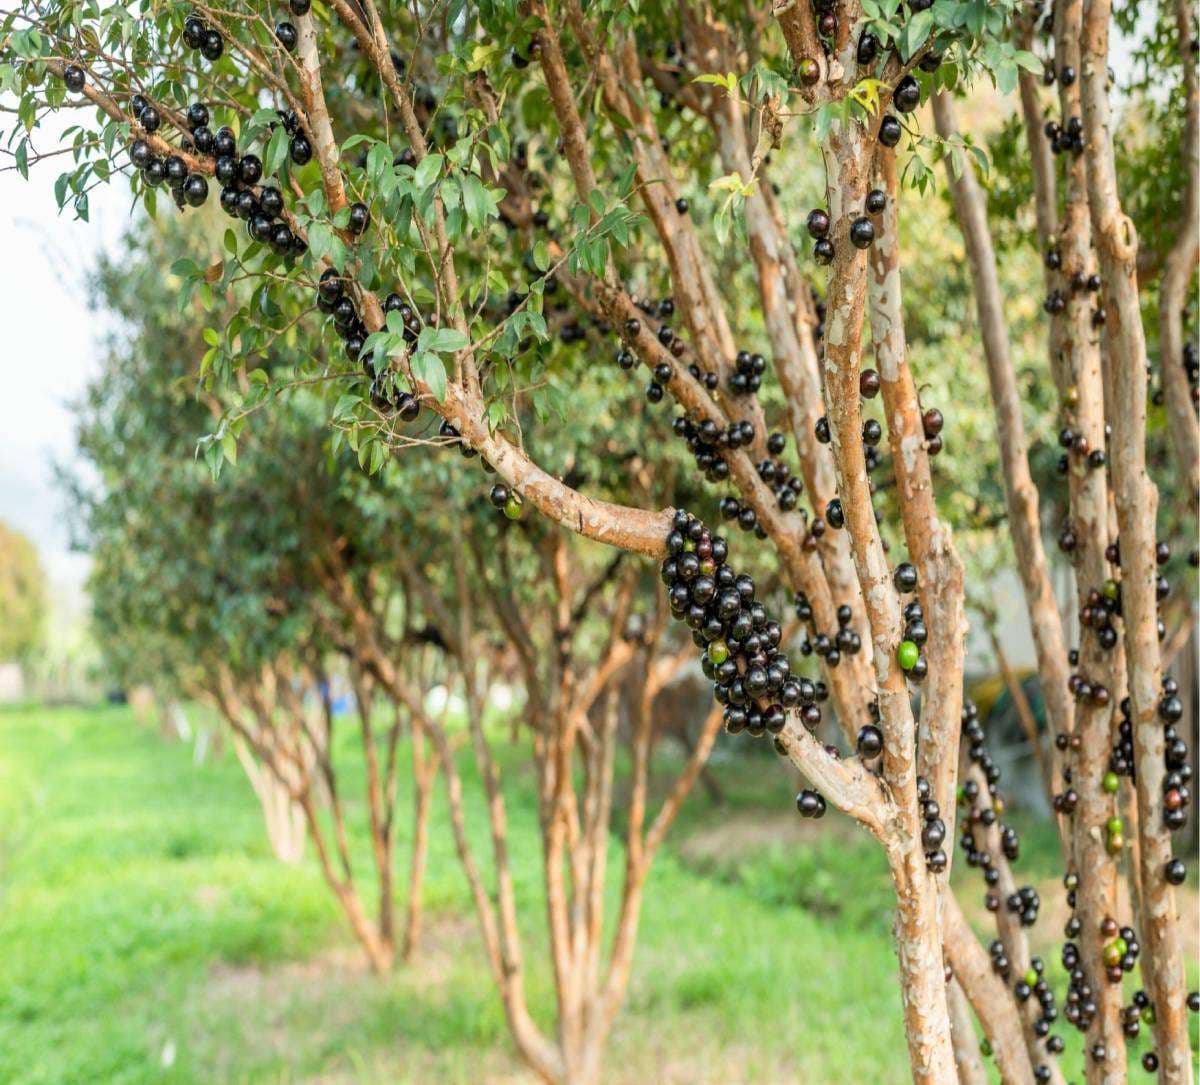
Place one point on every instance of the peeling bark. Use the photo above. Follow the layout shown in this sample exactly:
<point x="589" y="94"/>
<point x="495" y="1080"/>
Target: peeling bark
<point x="1137" y="504"/>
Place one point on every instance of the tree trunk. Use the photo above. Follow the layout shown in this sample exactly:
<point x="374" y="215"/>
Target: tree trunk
<point x="282" y="815"/>
<point x="424" y="768"/>
<point x="1178" y="270"/>
<point x="1137" y="504"/>
<point x="971" y="1070"/>
<point x="922" y="969"/>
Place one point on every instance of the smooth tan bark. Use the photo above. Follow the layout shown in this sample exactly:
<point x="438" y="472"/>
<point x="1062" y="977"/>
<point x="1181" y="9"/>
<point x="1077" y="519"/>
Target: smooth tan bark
<point x="1137" y="504"/>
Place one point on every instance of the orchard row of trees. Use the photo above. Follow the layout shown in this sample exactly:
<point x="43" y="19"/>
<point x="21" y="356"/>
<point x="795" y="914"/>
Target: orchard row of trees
<point x="455" y="215"/>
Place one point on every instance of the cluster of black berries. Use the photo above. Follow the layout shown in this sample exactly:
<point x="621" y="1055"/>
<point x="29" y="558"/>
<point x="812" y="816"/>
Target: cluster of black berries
<point x="239" y="177"/>
<point x="508" y="501"/>
<point x="707" y="442"/>
<point x="907" y="95"/>
<point x="1177" y="793"/>
<point x="752" y="676"/>
<point x="198" y="35"/>
<point x="1065" y="139"/>
<point x="828" y="648"/>
<point x="1080" y="1008"/>
<point x="933" y="832"/>
<point x="1120" y="950"/>
<point x="1072" y="442"/>
<point x="1025" y="901"/>
<point x="778" y="476"/>
<point x="1162" y="586"/>
<point x="747" y="375"/>
<point x="1099" y="610"/>
<point x="189" y="189"/>
<point x="666" y="335"/>
<point x="335" y="300"/>
<point x="932" y="422"/>
<point x="862" y="229"/>
<point x="1087" y="692"/>
<point x="908" y="653"/>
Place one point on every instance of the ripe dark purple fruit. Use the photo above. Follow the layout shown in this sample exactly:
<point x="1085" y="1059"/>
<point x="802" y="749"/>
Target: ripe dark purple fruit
<point x="195" y="190"/>
<point x="817" y="223"/>
<point x="499" y="495"/>
<point x="225" y="143"/>
<point x="155" y="172"/>
<point x="300" y="7"/>
<point x="870" y="742"/>
<point x="149" y="119"/>
<point x="889" y="131"/>
<point x="1175" y="871"/>
<point x="932" y="422"/>
<point x="212" y="46"/>
<point x="862" y="233"/>
<point x="681" y="205"/>
<point x="876" y="201"/>
<point x="823" y="252"/>
<point x="360" y="218"/>
<point x="74" y="78"/>
<point x="907" y="95"/>
<point x="140" y="153"/>
<point x="286" y="33"/>
<point x="271" y="200"/>
<point x="330" y="285"/>
<point x="260" y="227"/>
<point x="197" y="115"/>
<point x="810" y="804"/>
<point x="905" y="577"/>
<point x="250" y="169"/>
<point x="281" y="239"/>
<point x="301" y="149"/>
<point x="203" y="139"/>
<point x="408" y="406"/>
<point x="868" y="384"/>
<point x="193" y="31"/>
<point x="177" y="171"/>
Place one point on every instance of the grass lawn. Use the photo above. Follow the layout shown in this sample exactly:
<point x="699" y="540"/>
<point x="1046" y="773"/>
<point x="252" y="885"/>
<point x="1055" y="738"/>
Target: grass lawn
<point x="147" y="935"/>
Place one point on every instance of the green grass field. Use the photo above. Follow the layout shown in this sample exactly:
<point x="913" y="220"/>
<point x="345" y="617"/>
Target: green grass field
<point x="147" y="935"/>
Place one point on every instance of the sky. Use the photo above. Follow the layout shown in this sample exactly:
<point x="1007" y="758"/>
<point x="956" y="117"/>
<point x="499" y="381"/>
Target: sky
<point x="51" y="340"/>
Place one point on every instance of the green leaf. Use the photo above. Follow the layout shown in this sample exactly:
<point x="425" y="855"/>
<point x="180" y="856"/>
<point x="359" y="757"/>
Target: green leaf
<point x="427" y="171"/>
<point x="442" y="340"/>
<point x="476" y="200"/>
<point x="344" y="408"/>
<point x="916" y="30"/>
<point x="430" y="370"/>
<point x="322" y="243"/>
<point x="276" y="152"/>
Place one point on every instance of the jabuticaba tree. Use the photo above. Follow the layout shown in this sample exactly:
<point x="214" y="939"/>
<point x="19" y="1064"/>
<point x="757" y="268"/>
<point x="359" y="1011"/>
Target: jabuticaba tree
<point x="245" y="590"/>
<point x="485" y="203"/>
